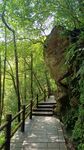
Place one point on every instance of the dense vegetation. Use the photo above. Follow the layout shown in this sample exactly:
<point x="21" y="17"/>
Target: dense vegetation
<point x="74" y="118"/>
<point x="24" y="26"/>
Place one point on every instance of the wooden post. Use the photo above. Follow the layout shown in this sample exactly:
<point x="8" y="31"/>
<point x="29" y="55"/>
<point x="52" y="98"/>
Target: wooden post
<point x="32" y="76"/>
<point x="48" y="95"/>
<point x="31" y="104"/>
<point x="23" y="119"/>
<point x="44" y="95"/>
<point x="37" y="100"/>
<point x="8" y="132"/>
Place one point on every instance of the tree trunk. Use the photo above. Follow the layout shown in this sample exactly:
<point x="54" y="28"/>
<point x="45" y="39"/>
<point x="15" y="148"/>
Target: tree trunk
<point x="38" y="82"/>
<point x="4" y="72"/>
<point x="17" y="76"/>
<point x="16" y="60"/>
<point x="32" y="76"/>
<point x="12" y="76"/>
<point x="25" y="77"/>
<point x="0" y="93"/>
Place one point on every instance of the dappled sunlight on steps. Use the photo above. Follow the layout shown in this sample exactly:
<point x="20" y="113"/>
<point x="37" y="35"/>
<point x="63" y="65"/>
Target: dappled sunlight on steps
<point x="41" y="133"/>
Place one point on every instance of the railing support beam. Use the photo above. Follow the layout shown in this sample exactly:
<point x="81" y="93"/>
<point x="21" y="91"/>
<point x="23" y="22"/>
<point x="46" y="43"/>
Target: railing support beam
<point x="8" y="132"/>
<point x="37" y="100"/>
<point x="31" y="104"/>
<point x="44" y="95"/>
<point x="23" y="119"/>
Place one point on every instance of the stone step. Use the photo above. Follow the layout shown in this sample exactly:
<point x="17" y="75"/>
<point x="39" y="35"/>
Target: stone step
<point x="42" y="113"/>
<point x="43" y="109"/>
<point x="45" y="106"/>
<point x="47" y="103"/>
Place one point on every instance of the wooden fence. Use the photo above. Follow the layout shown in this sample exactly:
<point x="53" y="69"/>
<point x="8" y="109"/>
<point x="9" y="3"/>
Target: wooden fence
<point x="23" y="114"/>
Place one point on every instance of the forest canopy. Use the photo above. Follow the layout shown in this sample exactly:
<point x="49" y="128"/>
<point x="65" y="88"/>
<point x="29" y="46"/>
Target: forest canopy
<point x="24" y="26"/>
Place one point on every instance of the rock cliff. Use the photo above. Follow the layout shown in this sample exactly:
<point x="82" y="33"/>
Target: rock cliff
<point x="55" y="47"/>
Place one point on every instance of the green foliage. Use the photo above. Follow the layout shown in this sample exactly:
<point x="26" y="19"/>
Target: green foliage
<point x="70" y="118"/>
<point x="31" y="21"/>
<point x="53" y="84"/>
<point x="81" y="147"/>
<point x="2" y="138"/>
<point x="78" y="131"/>
<point x="24" y="55"/>
<point x="75" y="60"/>
<point x="10" y="101"/>
<point x="70" y="53"/>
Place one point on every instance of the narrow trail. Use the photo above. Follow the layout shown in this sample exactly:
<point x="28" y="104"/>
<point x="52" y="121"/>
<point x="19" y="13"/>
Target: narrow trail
<point x="41" y="133"/>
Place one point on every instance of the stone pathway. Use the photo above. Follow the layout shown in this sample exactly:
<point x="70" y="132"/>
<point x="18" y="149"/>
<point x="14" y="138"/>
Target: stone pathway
<point x="41" y="133"/>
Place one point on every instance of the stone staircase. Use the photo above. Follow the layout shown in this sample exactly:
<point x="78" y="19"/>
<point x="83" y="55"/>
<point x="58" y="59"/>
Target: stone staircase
<point x="44" y="108"/>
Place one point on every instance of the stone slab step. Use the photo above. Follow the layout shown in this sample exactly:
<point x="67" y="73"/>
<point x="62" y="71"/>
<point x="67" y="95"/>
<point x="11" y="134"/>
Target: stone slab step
<point x="47" y="103"/>
<point x="43" y="109"/>
<point x="42" y="113"/>
<point x="45" y="106"/>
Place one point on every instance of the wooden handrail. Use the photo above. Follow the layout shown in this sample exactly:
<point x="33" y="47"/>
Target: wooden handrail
<point x="16" y="115"/>
<point x="27" y="106"/>
<point x="17" y="127"/>
<point x="3" y="126"/>
<point x="7" y="125"/>
<point x="25" y="111"/>
<point x="35" y="102"/>
<point x="3" y="145"/>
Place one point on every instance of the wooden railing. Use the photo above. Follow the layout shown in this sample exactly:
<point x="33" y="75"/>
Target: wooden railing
<point x="24" y="113"/>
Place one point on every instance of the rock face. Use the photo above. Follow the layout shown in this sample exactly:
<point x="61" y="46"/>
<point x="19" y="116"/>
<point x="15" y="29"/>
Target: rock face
<point x="54" y="54"/>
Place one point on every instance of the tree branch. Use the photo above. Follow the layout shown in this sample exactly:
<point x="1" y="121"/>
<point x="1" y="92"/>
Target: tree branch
<point x="4" y="21"/>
